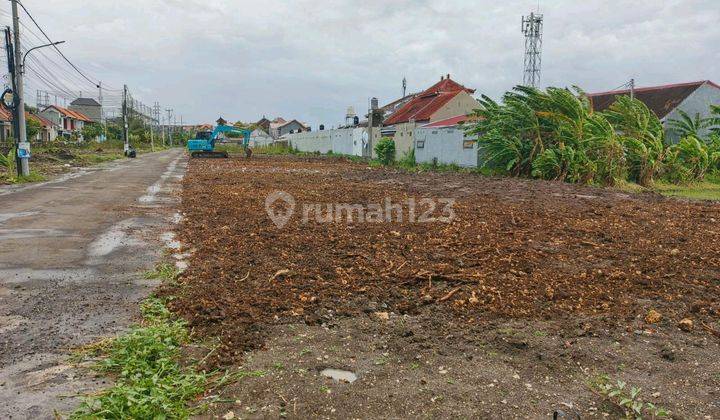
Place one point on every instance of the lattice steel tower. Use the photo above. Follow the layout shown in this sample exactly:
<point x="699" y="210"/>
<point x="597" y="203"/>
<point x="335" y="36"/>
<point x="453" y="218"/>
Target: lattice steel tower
<point x="532" y="27"/>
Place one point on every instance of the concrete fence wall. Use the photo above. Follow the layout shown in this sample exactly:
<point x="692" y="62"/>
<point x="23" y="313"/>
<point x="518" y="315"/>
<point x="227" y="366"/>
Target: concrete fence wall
<point x="447" y="145"/>
<point x="346" y="141"/>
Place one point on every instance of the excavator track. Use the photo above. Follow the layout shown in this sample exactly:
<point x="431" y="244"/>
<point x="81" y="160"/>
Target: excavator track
<point x="209" y="155"/>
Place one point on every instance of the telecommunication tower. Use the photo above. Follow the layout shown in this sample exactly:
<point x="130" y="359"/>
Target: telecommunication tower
<point x="532" y="27"/>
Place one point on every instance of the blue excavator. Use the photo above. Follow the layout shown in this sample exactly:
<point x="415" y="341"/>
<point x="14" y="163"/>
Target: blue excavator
<point x="203" y="145"/>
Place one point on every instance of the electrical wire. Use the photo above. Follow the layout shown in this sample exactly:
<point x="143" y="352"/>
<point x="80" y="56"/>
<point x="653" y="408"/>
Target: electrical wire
<point x="97" y="84"/>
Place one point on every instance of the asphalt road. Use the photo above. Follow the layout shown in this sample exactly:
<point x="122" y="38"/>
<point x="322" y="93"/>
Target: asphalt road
<point x="72" y="254"/>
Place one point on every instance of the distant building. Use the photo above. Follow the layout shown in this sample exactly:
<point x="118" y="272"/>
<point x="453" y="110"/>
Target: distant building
<point x="289" y="127"/>
<point x="665" y="101"/>
<point x="48" y="131"/>
<point x="68" y="121"/>
<point x="279" y="127"/>
<point x="88" y="107"/>
<point x="221" y="121"/>
<point x="6" y="118"/>
<point x="442" y="100"/>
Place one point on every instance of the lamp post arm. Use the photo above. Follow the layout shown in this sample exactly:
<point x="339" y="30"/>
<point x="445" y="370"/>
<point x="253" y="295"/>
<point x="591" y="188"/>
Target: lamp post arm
<point x="35" y="48"/>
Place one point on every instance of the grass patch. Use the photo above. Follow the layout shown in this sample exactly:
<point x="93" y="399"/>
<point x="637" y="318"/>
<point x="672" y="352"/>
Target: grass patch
<point x="709" y="189"/>
<point x="13" y="179"/>
<point x="150" y="383"/>
<point x="162" y="271"/>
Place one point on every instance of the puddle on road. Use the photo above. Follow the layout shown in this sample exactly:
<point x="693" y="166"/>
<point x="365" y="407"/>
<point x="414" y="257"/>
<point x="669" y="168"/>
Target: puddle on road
<point x="152" y="191"/>
<point x="339" y="375"/>
<point x="170" y="241"/>
<point x="112" y="239"/>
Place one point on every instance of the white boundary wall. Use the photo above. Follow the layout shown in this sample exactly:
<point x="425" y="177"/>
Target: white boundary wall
<point x="448" y="145"/>
<point x="345" y="141"/>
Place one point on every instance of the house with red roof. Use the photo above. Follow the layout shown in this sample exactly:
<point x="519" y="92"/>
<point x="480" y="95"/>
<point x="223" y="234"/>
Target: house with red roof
<point x="69" y="122"/>
<point x="667" y="100"/>
<point x="444" y="99"/>
<point x="47" y="133"/>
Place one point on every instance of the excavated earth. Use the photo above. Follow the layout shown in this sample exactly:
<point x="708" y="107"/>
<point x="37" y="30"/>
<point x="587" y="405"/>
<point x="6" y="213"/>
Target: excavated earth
<point x="507" y="310"/>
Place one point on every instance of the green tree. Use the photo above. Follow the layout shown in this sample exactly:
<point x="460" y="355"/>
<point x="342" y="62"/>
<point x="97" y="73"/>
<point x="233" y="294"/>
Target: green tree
<point x="32" y="128"/>
<point x="385" y="149"/>
<point x="92" y="131"/>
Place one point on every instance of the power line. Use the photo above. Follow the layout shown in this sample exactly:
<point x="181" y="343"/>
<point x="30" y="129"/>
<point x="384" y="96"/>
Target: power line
<point x="96" y="84"/>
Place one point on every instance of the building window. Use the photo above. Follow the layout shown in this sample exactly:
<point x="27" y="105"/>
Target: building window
<point x="468" y="144"/>
<point x="420" y="144"/>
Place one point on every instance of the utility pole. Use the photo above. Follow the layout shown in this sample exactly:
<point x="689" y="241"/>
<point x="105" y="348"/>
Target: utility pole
<point x="11" y="70"/>
<point x="632" y="88"/>
<point x="103" y="122"/>
<point x="126" y="139"/>
<point x="23" y="147"/>
<point x="170" y="140"/>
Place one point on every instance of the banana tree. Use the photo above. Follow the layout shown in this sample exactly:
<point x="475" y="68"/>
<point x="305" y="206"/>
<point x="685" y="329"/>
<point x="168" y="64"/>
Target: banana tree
<point x="695" y="126"/>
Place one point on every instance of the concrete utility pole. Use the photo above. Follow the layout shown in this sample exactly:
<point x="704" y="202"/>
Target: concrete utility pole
<point x="126" y="135"/>
<point x="632" y="88"/>
<point x="169" y="111"/>
<point x="23" y="149"/>
<point x="103" y="122"/>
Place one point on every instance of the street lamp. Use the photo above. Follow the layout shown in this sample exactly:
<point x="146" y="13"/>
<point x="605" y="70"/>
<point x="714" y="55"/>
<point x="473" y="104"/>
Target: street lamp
<point x="39" y="46"/>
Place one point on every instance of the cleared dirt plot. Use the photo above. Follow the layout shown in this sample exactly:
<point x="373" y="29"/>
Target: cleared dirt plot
<point x="530" y="293"/>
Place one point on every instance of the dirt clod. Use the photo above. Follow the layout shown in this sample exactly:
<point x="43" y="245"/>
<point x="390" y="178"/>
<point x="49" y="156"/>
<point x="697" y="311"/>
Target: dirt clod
<point x="686" y="324"/>
<point x="653" y="317"/>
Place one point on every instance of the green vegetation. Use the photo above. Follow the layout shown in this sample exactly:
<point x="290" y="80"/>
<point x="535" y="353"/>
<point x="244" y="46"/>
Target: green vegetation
<point x="708" y="189"/>
<point x="32" y="127"/>
<point x="150" y="383"/>
<point x="627" y="400"/>
<point x="555" y="135"/>
<point x="163" y="271"/>
<point x="385" y="149"/>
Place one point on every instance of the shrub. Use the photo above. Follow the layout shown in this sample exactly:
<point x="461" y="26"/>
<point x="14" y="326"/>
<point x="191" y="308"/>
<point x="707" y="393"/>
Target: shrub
<point x="385" y="149"/>
<point x="408" y="160"/>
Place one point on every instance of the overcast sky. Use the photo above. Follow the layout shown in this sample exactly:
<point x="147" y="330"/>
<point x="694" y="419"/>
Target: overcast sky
<point x="311" y="59"/>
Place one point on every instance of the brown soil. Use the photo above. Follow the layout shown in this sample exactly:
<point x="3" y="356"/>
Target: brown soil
<point x="545" y="274"/>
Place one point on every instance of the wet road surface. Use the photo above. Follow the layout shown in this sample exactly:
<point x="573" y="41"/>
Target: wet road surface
<point x="72" y="254"/>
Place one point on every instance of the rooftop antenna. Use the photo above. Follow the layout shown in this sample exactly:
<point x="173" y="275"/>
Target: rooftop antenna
<point x="404" y="87"/>
<point x="532" y="27"/>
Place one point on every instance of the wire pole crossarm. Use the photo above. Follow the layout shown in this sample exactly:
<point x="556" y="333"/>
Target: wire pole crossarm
<point x="38" y="47"/>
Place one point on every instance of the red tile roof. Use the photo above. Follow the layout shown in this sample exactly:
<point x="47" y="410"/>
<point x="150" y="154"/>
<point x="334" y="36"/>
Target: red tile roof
<point x="6" y="115"/>
<point x="425" y="104"/>
<point x="660" y="99"/>
<point x="448" y="122"/>
<point x="70" y="113"/>
<point x="42" y="120"/>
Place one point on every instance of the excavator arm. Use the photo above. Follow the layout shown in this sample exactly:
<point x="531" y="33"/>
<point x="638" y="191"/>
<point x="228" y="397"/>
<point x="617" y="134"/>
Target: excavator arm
<point x="229" y="129"/>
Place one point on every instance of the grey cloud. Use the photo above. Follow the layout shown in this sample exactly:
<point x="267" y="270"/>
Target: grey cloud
<point x="311" y="59"/>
